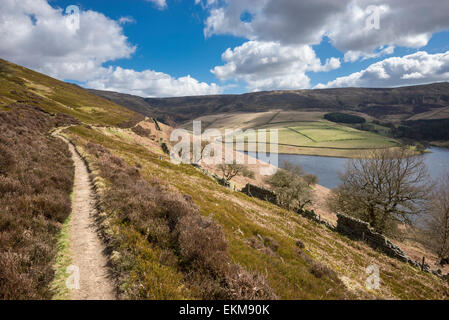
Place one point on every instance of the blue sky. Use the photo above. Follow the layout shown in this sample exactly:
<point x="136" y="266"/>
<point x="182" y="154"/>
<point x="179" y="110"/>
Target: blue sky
<point x="177" y="47"/>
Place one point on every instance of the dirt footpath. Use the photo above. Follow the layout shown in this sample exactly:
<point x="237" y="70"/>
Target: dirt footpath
<point x="86" y="246"/>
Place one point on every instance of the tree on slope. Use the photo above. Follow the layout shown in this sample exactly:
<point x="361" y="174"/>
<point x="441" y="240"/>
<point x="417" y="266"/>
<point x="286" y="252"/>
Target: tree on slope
<point x="384" y="188"/>
<point x="437" y="222"/>
<point x="292" y="190"/>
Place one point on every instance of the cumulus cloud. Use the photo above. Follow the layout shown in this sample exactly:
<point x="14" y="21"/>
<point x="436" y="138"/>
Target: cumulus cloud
<point x="150" y="83"/>
<point x="406" y="23"/>
<point x="403" y="23"/>
<point x="418" y="68"/>
<point x="36" y="35"/>
<point x="270" y="65"/>
<point x="287" y="21"/>
<point x="352" y="56"/>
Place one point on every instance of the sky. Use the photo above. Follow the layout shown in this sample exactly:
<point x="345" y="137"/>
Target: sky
<point x="165" y="48"/>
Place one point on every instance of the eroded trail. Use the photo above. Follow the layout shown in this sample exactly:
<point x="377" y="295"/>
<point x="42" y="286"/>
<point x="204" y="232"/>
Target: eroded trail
<point x="86" y="246"/>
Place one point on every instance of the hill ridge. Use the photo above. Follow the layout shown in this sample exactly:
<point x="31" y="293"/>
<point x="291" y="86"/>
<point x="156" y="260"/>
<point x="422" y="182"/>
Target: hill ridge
<point x="404" y="102"/>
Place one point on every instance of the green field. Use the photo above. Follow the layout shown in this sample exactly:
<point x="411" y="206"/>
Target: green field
<point x="304" y="132"/>
<point x="329" y="135"/>
<point x="326" y="138"/>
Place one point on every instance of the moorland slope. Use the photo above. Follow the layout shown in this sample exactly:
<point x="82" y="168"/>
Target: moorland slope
<point x="171" y="231"/>
<point x="414" y="102"/>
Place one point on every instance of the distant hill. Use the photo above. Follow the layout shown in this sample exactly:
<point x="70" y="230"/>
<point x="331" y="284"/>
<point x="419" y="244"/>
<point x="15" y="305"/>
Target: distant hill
<point x="392" y="104"/>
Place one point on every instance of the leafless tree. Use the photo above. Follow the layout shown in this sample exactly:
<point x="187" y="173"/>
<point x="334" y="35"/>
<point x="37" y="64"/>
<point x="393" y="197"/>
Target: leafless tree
<point x="229" y="171"/>
<point x="384" y="188"/>
<point x="198" y="157"/>
<point x="437" y="222"/>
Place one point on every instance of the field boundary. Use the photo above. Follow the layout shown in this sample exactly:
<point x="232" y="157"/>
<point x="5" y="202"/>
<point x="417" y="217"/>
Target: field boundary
<point x="332" y="148"/>
<point x="273" y="117"/>
<point x="299" y="132"/>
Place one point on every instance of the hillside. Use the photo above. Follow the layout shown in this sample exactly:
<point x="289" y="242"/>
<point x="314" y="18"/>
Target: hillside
<point x="330" y="266"/>
<point x="171" y="231"/>
<point x="18" y="84"/>
<point x="396" y="104"/>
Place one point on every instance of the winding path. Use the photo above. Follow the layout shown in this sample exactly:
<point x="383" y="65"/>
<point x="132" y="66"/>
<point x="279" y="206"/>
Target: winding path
<point x="86" y="246"/>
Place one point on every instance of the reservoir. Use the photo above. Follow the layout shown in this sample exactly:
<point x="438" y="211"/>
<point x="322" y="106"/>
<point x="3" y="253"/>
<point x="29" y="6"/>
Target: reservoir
<point x="327" y="168"/>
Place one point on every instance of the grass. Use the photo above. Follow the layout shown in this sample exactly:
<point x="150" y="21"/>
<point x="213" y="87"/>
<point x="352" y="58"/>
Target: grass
<point x="21" y="84"/>
<point x="327" y="139"/>
<point x="62" y="261"/>
<point x="153" y="227"/>
<point x="35" y="210"/>
<point x="303" y="132"/>
<point x="289" y="274"/>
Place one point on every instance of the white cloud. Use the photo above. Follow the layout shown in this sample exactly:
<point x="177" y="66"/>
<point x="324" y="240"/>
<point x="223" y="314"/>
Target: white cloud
<point x="406" y="23"/>
<point x="287" y="21"/>
<point x="352" y="56"/>
<point x="418" y="68"/>
<point x="403" y="23"/>
<point x="125" y="20"/>
<point x="150" y="83"/>
<point x="160" y="4"/>
<point x="270" y="65"/>
<point x="35" y="35"/>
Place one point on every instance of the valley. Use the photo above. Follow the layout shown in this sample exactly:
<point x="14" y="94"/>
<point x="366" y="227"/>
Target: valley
<point x="398" y="116"/>
<point x="171" y="231"/>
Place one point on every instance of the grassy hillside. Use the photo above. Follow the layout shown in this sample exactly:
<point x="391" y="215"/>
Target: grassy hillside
<point x="24" y="85"/>
<point x="403" y="106"/>
<point x="327" y="138"/>
<point x="302" y="132"/>
<point x="36" y="173"/>
<point x="390" y="104"/>
<point x="172" y="232"/>
<point x="262" y="238"/>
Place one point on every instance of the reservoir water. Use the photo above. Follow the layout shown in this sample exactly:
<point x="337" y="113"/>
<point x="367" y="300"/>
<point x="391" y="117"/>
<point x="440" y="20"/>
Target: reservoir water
<point x="327" y="168"/>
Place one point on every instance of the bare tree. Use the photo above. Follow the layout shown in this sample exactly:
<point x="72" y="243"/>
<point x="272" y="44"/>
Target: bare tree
<point x="437" y="222"/>
<point x="229" y="171"/>
<point x="292" y="190"/>
<point x="198" y="157"/>
<point x="383" y="188"/>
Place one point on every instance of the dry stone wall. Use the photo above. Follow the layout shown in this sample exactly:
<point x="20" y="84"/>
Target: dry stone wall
<point x="310" y="214"/>
<point x="361" y="230"/>
<point x="354" y="228"/>
<point x="260" y="193"/>
<point x="158" y="128"/>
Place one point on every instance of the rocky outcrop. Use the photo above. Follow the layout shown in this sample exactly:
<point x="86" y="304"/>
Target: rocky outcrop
<point x="361" y="230"/>
<point x="260" y="193"/>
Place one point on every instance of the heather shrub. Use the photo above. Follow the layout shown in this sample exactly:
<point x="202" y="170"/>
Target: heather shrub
<point x="171" y="222"/>
<point x="202" y="245"/>
<point x="139" y="130"/>
<point x="320" y="270"/>
<point x="36" y="178"/>
<point x="244" y="285"/>
<point x="6" y="159"/>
